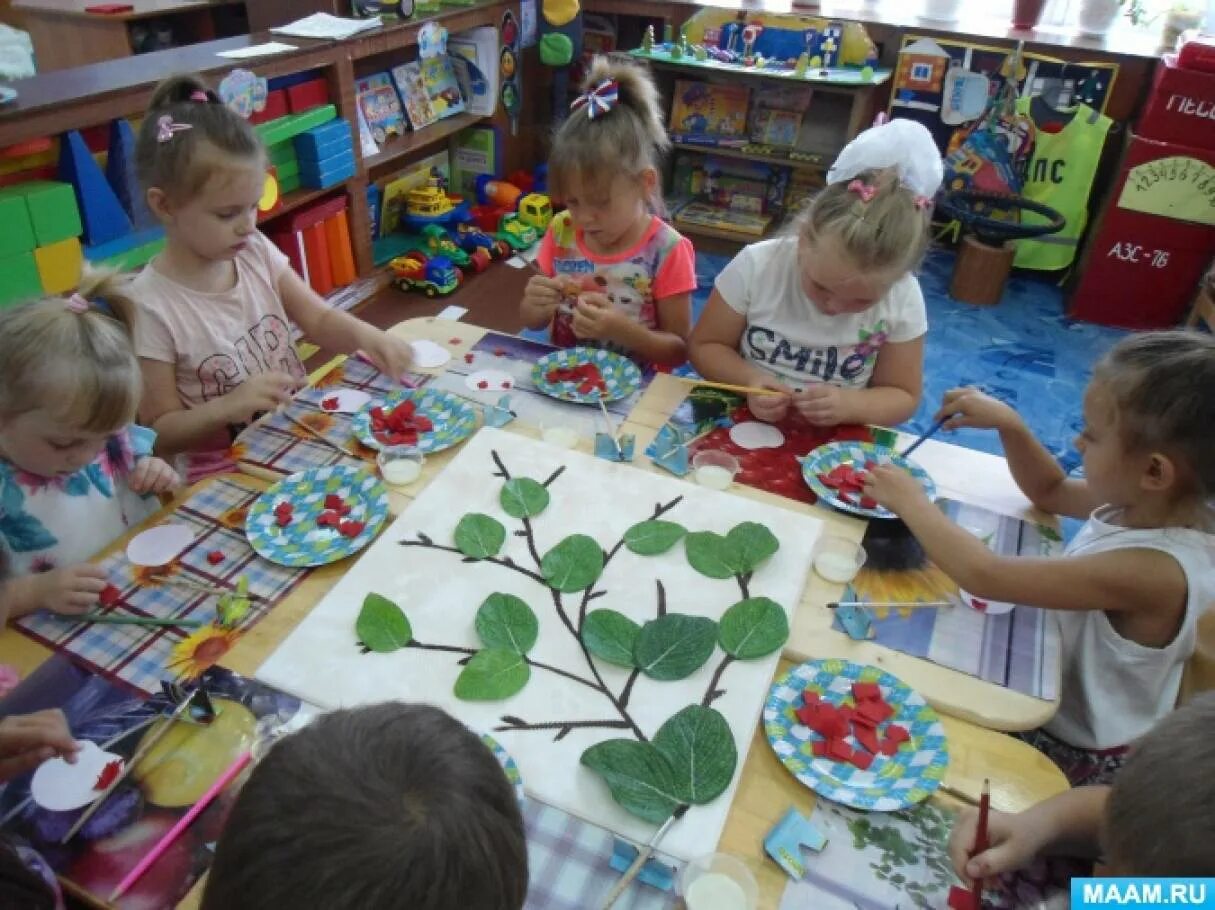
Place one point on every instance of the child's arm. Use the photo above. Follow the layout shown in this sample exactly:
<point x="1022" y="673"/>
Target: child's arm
<point x="339" y="330"/>
<point x="891" y="397"/>
<point x="1068" y="824"/>
<point x="540" y="300"/>
<point x="27" y="740"/>
<point x="596" y="317"/>
<point x="1148" y="583"/>
<point x="1033" y="468"/>
<point x="71" y="589"/>
<point x="713" y="350"/>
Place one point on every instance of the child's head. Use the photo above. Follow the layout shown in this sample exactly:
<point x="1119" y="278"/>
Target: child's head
<point x="392" y="805"/>
<point x="1160" y="815"/>
<point x="605" y="156"/>
<point x="858" y="237"/>
<point x="1150" y="419"/>
<point x="68" y="377"/>
<point x="202" y="168"/>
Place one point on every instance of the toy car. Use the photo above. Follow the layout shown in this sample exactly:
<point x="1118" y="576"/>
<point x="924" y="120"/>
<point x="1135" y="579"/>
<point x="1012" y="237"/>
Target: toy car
<point x="537" y="210"/>
<point x="433" y="277"/>
<point x="439" y="243"/>
<point x="470" y="237"/>
<point x="520" y="236"/>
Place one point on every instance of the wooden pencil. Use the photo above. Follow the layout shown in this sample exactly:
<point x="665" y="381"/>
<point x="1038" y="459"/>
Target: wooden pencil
<point x="725" y="386"/>
<point x="315" y="435"/>
<point x="189" y="584"/>
<point x="981" y="842"/>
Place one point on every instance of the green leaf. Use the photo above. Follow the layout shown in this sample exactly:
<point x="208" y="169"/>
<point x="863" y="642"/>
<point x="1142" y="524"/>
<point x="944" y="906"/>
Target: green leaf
<point x="649" y="538"/>
<point x="382" y="626"/>
<point x="522" y="497"/>
<point x="700" y="748"/>
<point x="710" y="554"/>
<point x="479" y="536"/>
<point x="492" y="674"/>
<point x="574" y="564"/>
<point x="641" y="780"/>
<point x="753" y="628"/>
<point x="610" y="636"/>
<point x="507" y="623"/>
<point x="751" y="545"/>
<point x="674" y="646"/>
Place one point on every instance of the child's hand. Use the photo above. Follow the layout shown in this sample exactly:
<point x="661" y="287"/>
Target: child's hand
<point x="968" y="407"/>
<point x="893" y="488"/>
<point x="263" y="392"/>
<point x="543" y="295"/>
<point x="770" y="408"/>
<point x="821" y="405"/>
<point x="72" y="589"/>
<point x="1014" y="842"/>
<point x="596" y="317"/>
<point x="392" y="356"/>
<point x="27" y="740"/>
<point x="152" y="475"/>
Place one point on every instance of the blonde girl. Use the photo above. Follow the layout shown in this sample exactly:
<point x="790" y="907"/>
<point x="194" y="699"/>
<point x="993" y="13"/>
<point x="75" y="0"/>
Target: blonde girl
<point x="1132" y="584"/>
<point x="216" y="306"/>
<point x="615" y="274"/>
<point x="830" y="317"/>
<point x="70" y="458"/>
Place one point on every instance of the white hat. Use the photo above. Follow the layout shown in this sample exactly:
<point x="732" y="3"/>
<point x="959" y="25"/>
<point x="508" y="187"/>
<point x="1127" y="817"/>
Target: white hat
<point x="904" y="145"/>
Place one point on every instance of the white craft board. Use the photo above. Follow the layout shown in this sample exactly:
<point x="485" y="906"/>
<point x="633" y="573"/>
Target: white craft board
<point x="321" y="663"/>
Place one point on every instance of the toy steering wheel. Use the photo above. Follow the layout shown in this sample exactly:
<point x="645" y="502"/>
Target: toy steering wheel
<point x="975" y="210"/>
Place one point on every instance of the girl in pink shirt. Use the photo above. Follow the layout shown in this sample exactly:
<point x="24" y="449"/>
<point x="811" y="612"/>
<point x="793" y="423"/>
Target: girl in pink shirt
<point x="615" y="274"/>
<point x="213" y="332"/>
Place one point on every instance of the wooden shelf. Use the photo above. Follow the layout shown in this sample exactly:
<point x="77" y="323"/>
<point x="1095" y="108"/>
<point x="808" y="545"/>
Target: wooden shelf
<point x="298" y="199"/>
<point x="416" y="140"/>
<point x="723" y="234"/>
<point x="824" y="162"/>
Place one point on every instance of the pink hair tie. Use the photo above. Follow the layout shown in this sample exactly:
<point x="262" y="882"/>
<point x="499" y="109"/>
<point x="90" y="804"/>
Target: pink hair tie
<point x="923" y="203"/>
<point x="77" y="304"/>
<point x="199" y="95"/>
<point x="166" y="127"/>
<point x="862" y="189"/>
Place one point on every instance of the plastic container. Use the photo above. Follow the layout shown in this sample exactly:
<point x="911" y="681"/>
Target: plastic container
<point x="838" y="559"/>
<point x="715" y="470"/>
<point x="400" y="465"/>
<point x="718" y="882"/>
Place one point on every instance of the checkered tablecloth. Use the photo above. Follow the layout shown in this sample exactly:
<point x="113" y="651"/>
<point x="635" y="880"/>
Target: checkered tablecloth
<point x="569" y="863"/>
<point x="281" y="447"/>
<point x="142" y="656"/>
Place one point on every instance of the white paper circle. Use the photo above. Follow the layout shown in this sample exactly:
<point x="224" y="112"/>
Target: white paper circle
<point x="990" y="607"/>
<point x="427" y="355"/>
<point x="61" y="787"/>
<point x="159" y="545"/>
<point x="348" y="400"/>
<point x="751" y="434"/>
<point x="495" y="381"/>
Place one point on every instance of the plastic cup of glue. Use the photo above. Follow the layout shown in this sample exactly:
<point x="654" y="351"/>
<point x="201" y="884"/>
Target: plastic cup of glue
<point x="838" y="559"/>
<point x="400" y="465"/>
<point x="560" y="435"/>
<point x="718" y="881"/>
<point x="715" y="470"/>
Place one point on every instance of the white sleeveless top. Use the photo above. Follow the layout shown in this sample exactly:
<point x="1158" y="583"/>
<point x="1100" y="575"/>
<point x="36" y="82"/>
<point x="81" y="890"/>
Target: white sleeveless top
<point x="1115" y="689"/>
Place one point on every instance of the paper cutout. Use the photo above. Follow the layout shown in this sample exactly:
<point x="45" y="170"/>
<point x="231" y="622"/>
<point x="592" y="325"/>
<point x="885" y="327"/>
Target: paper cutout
<point x="498" y="415"/>
<point x="160" y="545"/>
<point x="505" y="621"/>
<point x="753" y="628"/>
<point x="382" y="626"/>
<point x="856" y="622"/>
<point x="493" y="674"/>
<point x="675" y="646"/>
<point x="522" y="497"/>
<point x="611" y="636"/>
<point x="618" y="449"/>
<point x="751" y="434"/>
<point x="573" y="565"/>
<point x="982" y="605"/>
<point x="61" y="787"/>
<point x="489" y="381"/>
<point x="234" y="607"/>
<point x="344" y="401"/>
<point x="650" y="538"/>
<point x="479" y="536"/>
<point x="785" y="841"/>
<point x="427" y="355"/>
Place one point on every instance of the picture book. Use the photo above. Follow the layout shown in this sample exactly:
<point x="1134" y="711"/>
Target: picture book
<point x="776" y="114"/>
<point x="441" y="86"/>
<point x="380" y="106"/>
<point x="474" y="57"/>
<point x="707" y="114"/>
<point x="474" y="152"/>
<point x="702" y="214"/>
<point x="414" y="97"/>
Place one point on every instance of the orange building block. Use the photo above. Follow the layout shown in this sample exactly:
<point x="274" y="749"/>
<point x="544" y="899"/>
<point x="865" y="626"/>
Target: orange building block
<point x="59" y="265"/>
<point x="341" y="257"/>
<point x="317" y="255"/>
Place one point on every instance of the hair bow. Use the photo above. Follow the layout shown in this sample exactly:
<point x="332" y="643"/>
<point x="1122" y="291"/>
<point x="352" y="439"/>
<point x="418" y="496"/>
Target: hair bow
<point x="862" y="189"/>
<point x="77" y="304"/>
<point x="166" y="127"/>
<point x="923" y="203"/>
<point x="599" y="100"/>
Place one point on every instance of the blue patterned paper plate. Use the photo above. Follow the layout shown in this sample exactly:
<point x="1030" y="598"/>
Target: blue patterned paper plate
<point x="620" y="375"/>
<point x="892" y="782"/>
<point x="454" y="419"/>
<point x="303" y="542"/>
<point x="826" y="457"/>
<point x="508" y="765"/>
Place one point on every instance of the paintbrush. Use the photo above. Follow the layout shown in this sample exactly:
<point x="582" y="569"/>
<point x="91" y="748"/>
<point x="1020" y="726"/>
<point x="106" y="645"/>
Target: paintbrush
<point x="147" y="747"/>
<point x="315" y="435"/>
<point x="611" y="429"/>
<point x="931" y="431"/>
<point x="108" y="619"/>
<point x="191" y="585"/>
<point x="643" y="856"/>
<point x="725" y="386"/>
<point x="981" y="842"/>
<point x="892" y="605"/>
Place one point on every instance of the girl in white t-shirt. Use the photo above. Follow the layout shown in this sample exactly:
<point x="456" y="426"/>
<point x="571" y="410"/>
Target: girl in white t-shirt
<point x="213" y="332"/>
<point x="1131" y="586"/>
<point x="830" y="317"/>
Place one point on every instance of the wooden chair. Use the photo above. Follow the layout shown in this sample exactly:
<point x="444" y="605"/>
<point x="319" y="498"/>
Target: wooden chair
<point x="1199" y="673"/>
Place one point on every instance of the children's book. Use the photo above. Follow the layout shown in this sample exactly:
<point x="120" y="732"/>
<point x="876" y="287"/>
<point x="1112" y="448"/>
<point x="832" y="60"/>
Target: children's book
<point x="701" y="214"/>
<point x="414" y="97"/>
<point x="776" y="114"/>
<point x="474" y="152"/>
<point x="441" y="86"/>
<point x="474" y="56"/>
<point x="707" y="114"/>
<point x="381" y="107"/>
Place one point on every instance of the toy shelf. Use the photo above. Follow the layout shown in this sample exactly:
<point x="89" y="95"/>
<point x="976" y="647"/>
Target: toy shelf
<point x="294" y="200"/>
<point x="837" y="78"/>
<point x="394" y="150"/>
<point x="814" y="161"/>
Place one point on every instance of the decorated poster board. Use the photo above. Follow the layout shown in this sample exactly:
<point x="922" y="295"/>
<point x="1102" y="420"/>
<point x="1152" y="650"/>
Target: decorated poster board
<point x="568" y="701"/>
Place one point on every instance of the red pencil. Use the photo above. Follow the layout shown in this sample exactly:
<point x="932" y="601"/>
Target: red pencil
<point x="981" y="843"/>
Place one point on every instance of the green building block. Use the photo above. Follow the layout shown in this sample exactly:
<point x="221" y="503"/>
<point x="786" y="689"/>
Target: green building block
<point x="19" y="279"/>
<point x="288" y="170"/>
<point x="130" y="260"/>
<point x="289" y="184"/>
<point x="283" y="129"/>
<point x="281" y="153"/>
<point x="17" y="235"/>
<point x="53" y="213"/>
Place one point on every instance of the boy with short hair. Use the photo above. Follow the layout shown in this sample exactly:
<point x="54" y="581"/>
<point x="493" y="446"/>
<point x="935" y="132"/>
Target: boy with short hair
<point x="388" y="806"/>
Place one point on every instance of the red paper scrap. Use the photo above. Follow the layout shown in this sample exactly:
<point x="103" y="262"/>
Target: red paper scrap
<point x="482" y="384"/>
<point x="961" y="899"/>
<point x="866" y="691"/>
<point x="108" y="774"/>
<point x="819" y="747"/>
<point x="587" y="376"/>
<point x="454" y="341"/>
<point x="109" y="596"/>
<point x="333" y="501"/>
<point x="400" y="426"/>
<point x="215" y="557"/>
<point x="861" y="759"/>
<point x="468" y="358"/>
<point x="330" y="403"/>
<point x="351" y="528"/>
<point x="330" y="518"/>
<point x="499" y="352"/>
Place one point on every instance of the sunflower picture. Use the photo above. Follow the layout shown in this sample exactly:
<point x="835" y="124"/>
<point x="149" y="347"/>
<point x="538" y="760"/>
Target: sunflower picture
<point x="201" y="651"/>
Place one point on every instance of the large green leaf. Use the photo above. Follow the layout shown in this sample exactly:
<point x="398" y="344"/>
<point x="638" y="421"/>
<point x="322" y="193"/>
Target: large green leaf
<point x="641" y="780"/>
<point x="710" y="554"/>
<point x="649" y="538"/>
<point x="699" y="746"/>
<point x="751" y="544"/>
<point x="479" y="536"/>
<point x="522" y="497"/>
<point x="506" y="622"/>
<point x="753" y="628"/>
<point x="674" y="646"/>
<point x="610" y="636"/>
<point x="574" y="564"/>
<point x="382" y="626"/>
<point x="492" y="674"/>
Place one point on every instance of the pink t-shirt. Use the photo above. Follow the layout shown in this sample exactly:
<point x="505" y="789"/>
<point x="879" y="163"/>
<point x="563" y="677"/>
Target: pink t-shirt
<point x="662" y="264"/>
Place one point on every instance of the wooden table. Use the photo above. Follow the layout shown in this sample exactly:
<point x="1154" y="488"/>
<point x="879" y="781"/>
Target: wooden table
<point x="1020" y="776"/>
